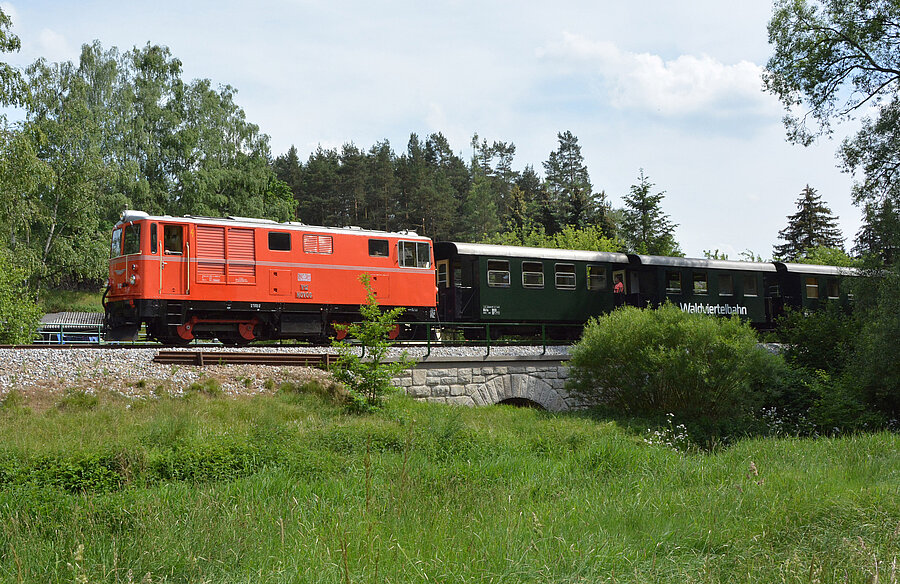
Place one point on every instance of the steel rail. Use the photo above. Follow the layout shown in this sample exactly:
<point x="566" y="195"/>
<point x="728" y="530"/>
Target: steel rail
<point x="203" y="358"/>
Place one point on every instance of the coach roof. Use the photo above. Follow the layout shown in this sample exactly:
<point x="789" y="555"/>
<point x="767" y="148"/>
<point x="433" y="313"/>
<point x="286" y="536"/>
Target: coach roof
<point x="515" y="251"/>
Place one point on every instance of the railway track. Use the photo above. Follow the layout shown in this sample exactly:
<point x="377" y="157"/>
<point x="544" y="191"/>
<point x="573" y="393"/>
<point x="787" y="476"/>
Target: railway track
<point x="202" y="358"/>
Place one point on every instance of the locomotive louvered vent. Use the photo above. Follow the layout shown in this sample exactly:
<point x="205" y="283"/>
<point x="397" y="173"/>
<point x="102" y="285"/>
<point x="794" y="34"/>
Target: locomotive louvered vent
<point x="241" y="254"/>
<point x="210" y="253"/>
<point x="318" y="244"/>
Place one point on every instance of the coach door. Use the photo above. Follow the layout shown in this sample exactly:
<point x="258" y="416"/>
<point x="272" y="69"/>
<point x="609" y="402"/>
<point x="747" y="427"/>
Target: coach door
<point x="175" y="265"/>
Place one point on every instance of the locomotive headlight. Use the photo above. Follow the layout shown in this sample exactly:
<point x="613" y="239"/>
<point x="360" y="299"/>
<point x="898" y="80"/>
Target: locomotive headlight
<point x="132" y="280"/>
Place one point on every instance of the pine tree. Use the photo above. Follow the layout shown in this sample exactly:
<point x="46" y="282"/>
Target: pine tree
<point x="880" y="232"/>
<point x="812" y="226"/>
<point x="569" y="184"/>
<point x="645" y="227"/>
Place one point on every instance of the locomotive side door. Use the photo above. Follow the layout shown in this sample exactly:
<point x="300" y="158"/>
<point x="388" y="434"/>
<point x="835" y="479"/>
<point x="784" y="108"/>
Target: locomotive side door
<point x="175" y="264"/>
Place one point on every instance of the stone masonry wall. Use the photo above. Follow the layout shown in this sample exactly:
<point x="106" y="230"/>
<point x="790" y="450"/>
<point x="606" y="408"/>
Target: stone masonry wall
<point x="490" y="383"/>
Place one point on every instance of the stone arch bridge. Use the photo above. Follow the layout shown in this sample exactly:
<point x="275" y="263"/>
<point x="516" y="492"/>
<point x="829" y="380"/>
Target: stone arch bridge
<point x="534" y="380"/>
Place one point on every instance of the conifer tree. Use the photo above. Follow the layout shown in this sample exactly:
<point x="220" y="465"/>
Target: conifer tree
<point x="645" y="227"/>
<point x="569" y="184"/>
<point x="812" y="226"/>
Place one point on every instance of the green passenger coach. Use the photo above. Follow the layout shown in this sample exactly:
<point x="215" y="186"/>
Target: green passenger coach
<point x="715" y="287"/>
<point x="511" y="284"/>
<point x="500" y="285"/>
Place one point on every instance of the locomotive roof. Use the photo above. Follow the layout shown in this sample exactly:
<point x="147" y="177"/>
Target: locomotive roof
<point x="515" y="251"/>
<point x="131" y="215"/>
<point x="648" y="260"/>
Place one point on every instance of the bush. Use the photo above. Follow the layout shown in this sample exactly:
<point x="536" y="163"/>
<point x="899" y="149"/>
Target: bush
<point x="818" y="340"/>
<point x="19" y="315"/>
<point x="708" y="371"/>
<point x="368" y="376"/>
<point x="873" y="371"/>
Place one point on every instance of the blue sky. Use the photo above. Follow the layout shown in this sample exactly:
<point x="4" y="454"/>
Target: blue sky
<point x="670" y="87"/>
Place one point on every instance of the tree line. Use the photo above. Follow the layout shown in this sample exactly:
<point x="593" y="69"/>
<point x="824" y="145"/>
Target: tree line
<point x="123" y="129"/>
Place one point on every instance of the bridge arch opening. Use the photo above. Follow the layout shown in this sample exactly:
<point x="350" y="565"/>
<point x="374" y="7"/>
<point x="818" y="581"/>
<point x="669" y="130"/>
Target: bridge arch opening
<point x="521" y="402"/>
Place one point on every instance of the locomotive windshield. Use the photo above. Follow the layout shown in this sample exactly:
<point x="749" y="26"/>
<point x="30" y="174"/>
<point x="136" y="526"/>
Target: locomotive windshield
<point x="132" y="240"/>
<point x="116" y="247"/>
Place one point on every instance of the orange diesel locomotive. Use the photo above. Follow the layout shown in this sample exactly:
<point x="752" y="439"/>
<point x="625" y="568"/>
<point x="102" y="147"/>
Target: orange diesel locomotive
<point x="240" y="279"/>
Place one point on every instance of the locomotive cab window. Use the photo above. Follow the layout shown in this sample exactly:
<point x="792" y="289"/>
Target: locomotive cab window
<point x="673" y="282"/>
<point x="173" y="239"/>
<point x="116" y="247"/>
<point x="279" y="241"/>
<point x="498" y="273"/>
<point x="132" y="243"/>
<point x="565" y="276"/>
<point x="378" y="248"/>
<point x="750" y="286"/>
<point x="532" y="275"/>
<point x="701" y="284"/>
<point x="414" y="254"/>
<point x="596" y="278"/>
<point x="726" y="285"/>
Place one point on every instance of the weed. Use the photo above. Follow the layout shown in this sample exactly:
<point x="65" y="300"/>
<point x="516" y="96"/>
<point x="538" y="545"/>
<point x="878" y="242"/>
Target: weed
<point x="13" y="400"/>
<point x="207" y="386"/>
<point x="78" y="400"/>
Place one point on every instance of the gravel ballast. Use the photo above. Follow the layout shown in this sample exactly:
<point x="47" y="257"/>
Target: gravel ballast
<point x="132" y="373"/>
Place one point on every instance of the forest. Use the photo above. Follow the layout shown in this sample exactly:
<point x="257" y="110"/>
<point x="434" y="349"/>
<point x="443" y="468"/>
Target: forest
<point x="123" y="129"/>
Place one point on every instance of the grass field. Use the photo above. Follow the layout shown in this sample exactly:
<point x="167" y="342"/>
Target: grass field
<point x="58" y="300"/>
<point x="287" y="488"/>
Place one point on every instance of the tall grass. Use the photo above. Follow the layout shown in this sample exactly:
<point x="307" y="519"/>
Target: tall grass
<point x="287" y="488"/>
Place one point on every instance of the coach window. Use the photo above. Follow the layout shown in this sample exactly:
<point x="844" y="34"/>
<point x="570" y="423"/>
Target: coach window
<point x="116" y="248"/>
<point x="750" y="286"/>
<point x="565" y="276"/>
<point x="834" y="289"/>
<point x="596" y="278"/>
<point x="532" y="275"/>
<point x="132" y="240"/>
<point x="812" y="288"/>
<point x="279" y="241"/>
<point x="726" y="285"/>
<point x="673" y="282"/>
<point x="701" y="284"/>
<point x="378" y="248"/>
<point x="498" y="273"/>
<point x="173" y="239"/>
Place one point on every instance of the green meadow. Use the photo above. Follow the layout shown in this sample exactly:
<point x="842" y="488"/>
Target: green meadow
<point x="290" y="488"/>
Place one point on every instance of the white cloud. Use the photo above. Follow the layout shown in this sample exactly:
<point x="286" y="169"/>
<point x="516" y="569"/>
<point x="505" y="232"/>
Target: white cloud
<point x="53" y="46"/>
<point x="687" y="85"/>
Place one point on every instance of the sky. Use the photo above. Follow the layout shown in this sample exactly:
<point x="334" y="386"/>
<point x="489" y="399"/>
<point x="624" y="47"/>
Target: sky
<point x="673" y="88"/>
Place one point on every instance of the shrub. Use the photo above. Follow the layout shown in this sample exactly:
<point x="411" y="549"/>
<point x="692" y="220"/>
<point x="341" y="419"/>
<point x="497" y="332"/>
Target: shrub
<point x="873" y="371"/>
<point x="709" y="371"/>
<point x="818" y="340"/>
<point x="19" y="315"/>
<point x="368" y="376"/>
